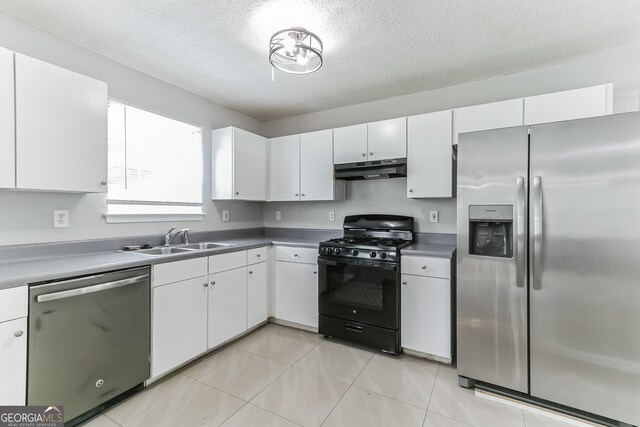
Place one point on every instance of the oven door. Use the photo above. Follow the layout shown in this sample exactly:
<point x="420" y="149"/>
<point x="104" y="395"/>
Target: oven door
<point x="359" y="290"/>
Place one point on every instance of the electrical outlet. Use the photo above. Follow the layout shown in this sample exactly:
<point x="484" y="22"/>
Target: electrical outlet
<point x="60" y="219"/>
<point x="278" y="215"/>
<point x="435" y="216"/>
<point x="225" y="216"/>
<point x="332" y="215"/>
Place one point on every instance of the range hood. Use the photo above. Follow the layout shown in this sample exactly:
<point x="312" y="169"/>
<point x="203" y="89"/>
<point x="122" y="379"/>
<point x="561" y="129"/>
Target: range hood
<point x="375" y="169"/>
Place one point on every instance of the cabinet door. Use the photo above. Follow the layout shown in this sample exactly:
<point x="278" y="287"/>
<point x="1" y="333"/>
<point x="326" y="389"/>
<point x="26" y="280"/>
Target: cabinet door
<point x="350" y="144"/>
<point x="426" y="315"/>
<point x="227" y="305"/>
<point x="257" y="294"/>
<point x="496" y="115"/>
<point x="249" y="166"/>
<point x="285" y="168"/>
<point x="568" y="105"/>
<point x="13" y="362"/>
<point x="316" y="166"/>
<point x="387" y="139"/>
<point x="429" y="155"/>
<point x="61" y="128"/>
<point x="7" y="123"/>
<point x="297" y="293"/>
<point x="179" y="323"/>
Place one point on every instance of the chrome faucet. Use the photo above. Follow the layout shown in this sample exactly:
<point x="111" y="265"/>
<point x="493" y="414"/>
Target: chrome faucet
<point x="168" y="236"/>
<point x="185" y="235"/>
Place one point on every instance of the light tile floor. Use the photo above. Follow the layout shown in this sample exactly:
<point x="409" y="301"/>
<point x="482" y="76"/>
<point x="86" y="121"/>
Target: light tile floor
<point x="279" y="376"/>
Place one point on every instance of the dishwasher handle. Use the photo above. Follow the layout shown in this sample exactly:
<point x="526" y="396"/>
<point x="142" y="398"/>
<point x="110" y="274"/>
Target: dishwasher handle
<point x="91" y="289"/>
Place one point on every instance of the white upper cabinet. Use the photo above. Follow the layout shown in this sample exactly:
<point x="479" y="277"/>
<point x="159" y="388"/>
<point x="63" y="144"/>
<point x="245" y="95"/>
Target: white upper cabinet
<point x="350" y="144"/>
<point x="387" y="139"/>
<point x="316" y="166"/>
<point x="285" y="168"/>
<point x="495" y="115"/>
<point x="61" y="128"/>
<point x="568" y="105"/>
<point x="238" y="165"/>
<point x="7" y="121"/>
<point x="430" y="155"/>
<point x="302" y="168"/>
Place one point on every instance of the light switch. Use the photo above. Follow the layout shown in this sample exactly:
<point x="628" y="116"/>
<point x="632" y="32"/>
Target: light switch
<point x="225" y="216"/>
<point x="278" y="215"/>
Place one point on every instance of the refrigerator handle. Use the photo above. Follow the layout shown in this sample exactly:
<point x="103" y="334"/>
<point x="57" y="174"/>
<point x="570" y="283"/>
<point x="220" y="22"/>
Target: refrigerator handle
<point x="536" y="258"/>
<point x="520" y="232"/>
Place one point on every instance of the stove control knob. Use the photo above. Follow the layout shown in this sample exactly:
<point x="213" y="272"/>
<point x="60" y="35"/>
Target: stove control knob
<point x="336" y="251"/>
<point x="372" y="254"/>
<point x="383" y="255"/>
<point x="329" y="251"/>
<point x="354" y="252"/>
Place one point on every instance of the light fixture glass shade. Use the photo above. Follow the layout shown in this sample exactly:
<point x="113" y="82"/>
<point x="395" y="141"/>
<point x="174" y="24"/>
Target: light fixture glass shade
<point x="295" y="51"/>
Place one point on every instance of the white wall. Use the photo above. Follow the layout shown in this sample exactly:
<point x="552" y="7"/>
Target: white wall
<point x="620" y="67"/>
<point x="28" y="217"/>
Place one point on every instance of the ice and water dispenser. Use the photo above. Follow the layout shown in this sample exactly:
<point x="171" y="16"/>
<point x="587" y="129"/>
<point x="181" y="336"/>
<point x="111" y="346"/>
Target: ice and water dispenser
<point x="491" y="230"/>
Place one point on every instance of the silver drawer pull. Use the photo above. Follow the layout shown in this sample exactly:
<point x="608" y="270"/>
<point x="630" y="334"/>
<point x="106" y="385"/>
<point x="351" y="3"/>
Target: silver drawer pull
<point x="371" y="153"/>
<point x="295" y="255"/>
<point x="404" y="282"/>
<point x="364" y="154"/>
<point x="258" y="255"/>
<point x="205" y="285"/>
<point x="91" y="289"/>
<point x="18" y="333"/>
<point x="424" y="267"/>
<point x="315" y="272"/>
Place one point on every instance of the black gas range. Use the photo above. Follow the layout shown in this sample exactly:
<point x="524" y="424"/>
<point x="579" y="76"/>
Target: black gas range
<point x="359" y="281"/>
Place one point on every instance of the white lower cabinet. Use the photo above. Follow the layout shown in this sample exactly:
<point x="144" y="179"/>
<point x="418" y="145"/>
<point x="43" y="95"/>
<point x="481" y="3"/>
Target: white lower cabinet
<point x="179" y="323"/>
<point x="297" y="293"/>
<point x="426" y="308"/>
<point x="257" y="294"/>
<point x="13" y="362"/>
<point x="227" y="305"/>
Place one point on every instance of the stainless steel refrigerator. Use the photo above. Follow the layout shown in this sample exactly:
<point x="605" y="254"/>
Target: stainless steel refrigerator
<point x="548" y="287"/>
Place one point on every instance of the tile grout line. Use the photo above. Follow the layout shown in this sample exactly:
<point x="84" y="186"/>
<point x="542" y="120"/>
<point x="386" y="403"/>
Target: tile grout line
<point x="347" y="390"/>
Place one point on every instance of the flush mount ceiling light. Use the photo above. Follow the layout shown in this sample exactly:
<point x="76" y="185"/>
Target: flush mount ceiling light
<point x="295" y="51"/>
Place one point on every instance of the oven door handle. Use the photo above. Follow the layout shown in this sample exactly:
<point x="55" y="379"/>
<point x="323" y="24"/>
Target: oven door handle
<point x="358" y="263"/>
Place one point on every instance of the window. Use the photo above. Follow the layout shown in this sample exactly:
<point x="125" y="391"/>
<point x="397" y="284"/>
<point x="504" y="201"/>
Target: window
<point x="155" y="167"/>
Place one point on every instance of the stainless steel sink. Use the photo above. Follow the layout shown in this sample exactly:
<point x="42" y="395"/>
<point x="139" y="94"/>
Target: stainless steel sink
<point x="207" y="245"/>
<point x="162" y="251"/>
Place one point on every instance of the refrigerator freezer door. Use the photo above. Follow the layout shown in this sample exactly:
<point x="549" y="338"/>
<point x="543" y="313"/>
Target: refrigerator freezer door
<point x="491" y="293"/>
<point x="584" y="309"/>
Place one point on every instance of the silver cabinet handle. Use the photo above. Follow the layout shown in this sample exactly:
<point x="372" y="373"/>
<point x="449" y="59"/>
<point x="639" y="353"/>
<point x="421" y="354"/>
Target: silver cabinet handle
<point x="315" y="272"/>
<point x="91" y="289"/>
<point x="103" y="182"/>
<point x="258" y="255"/>
<point x="371" y="153"/>
<point x="237" y="193"/>
<point x="364" y="154"/>
<point x="295" y="255"/>
<point x="18" y="334"/>
<point x="411" y="190"/>
<point x="520" y="231"/>
<point x="424" y="267"/>
<point x="205" y="285"/>
<point x="250" y="272"/>
<point x="536" y="258"/>
<point x="404" y="282"/>
<point x="213" y="283"/>
<point x="303" y="194"/>
<point x="297" y="194"/>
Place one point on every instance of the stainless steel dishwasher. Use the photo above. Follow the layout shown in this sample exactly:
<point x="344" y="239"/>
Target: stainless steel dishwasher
<point x="88" y="341"/>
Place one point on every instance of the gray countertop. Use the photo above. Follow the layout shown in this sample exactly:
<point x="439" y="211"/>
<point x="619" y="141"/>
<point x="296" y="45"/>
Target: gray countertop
<point x="429" y="249"/>
<point x="22" y="272"/>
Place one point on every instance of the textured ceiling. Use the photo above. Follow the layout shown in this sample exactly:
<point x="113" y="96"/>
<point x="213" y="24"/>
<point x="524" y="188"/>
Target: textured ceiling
<point x="373" y="49"/>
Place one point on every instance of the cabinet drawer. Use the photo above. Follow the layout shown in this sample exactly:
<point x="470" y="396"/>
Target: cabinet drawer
<point x="256" y="255"/>
<point x="426" y="266"/>
<point x="292" y="254"/>
<point x="13" y="303"/>
<point x="224" y="262"/>
<point x="171" y="272"/>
